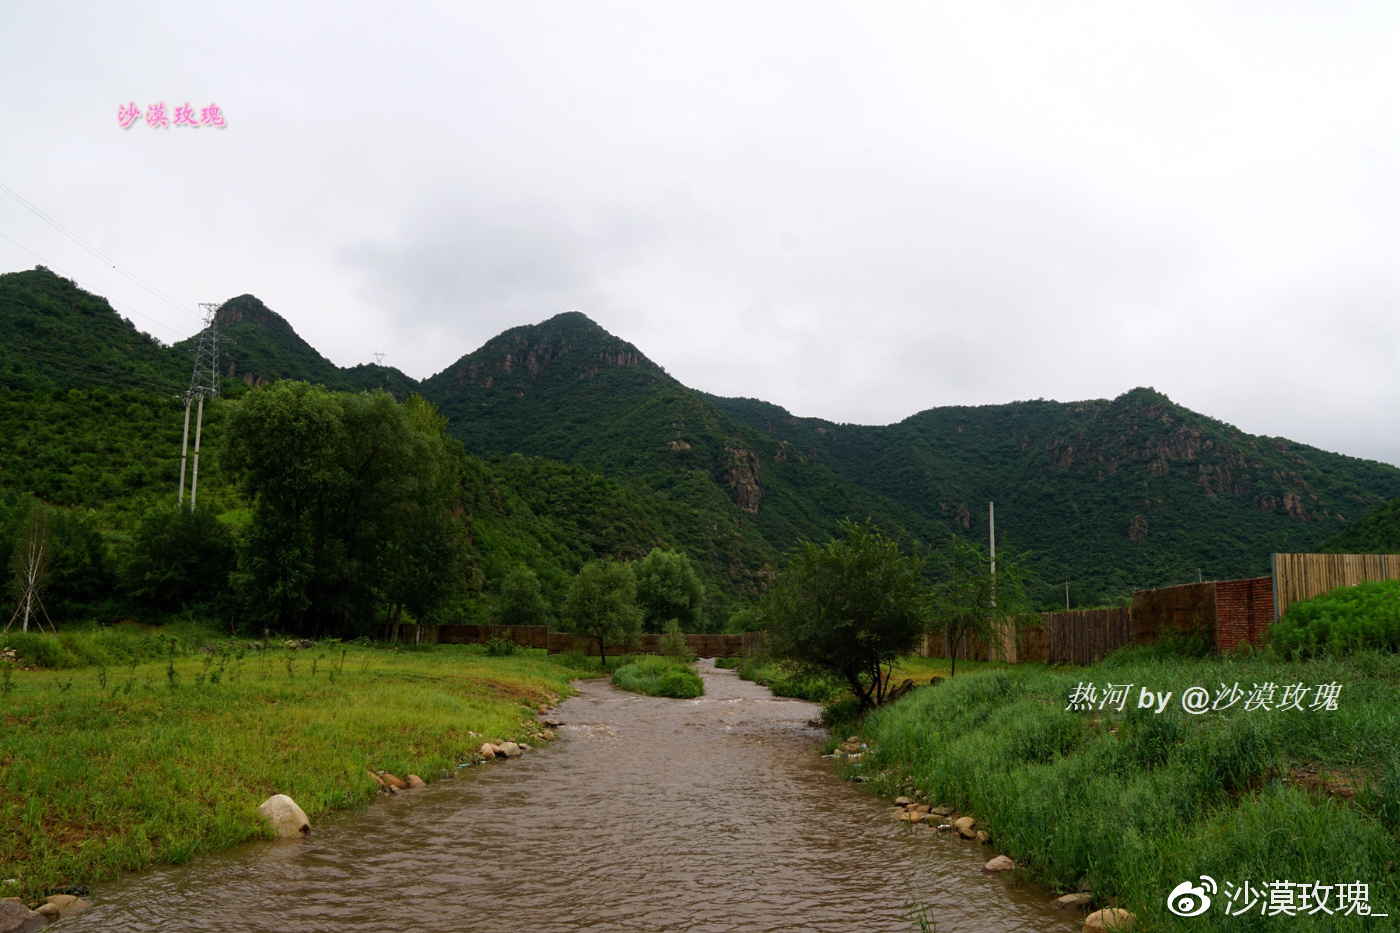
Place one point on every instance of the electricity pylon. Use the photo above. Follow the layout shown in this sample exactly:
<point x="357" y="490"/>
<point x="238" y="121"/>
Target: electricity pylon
<point x="203" y="384"/>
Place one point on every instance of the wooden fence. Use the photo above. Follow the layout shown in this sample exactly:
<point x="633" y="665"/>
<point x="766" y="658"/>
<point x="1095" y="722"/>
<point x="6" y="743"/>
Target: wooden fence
<point x="1086" y="635"/>
<point x="1302" y="576"/>
<point x="1179" y="610"/>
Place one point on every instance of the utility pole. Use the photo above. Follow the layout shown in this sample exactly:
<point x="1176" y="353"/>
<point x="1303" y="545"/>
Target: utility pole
<point x="1066" y="596"/>
<point x="992" y="539"/>
<point x="204" y="383"/>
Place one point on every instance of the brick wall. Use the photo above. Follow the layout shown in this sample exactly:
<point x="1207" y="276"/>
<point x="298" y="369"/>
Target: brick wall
<point x="1244" y="610"/>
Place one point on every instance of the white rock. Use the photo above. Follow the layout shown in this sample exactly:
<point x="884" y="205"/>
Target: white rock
<point x="1000" y="863"/>
<point x="510" y="750"/>
<point x="286" y="818"/>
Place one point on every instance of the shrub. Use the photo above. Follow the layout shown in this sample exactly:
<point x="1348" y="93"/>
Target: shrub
<point x="659" y="677"/>
<point x="1343" y="620"/>
<point x="673" y="643"/>
<point x="500" y="647"/>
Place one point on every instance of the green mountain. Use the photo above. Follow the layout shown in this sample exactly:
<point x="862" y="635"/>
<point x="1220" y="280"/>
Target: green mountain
<point x="568" y="390"/>
<point x="258" y="346"/>
<point x="1376" y="533"/>
<point x="613" y="453"/>
<point x="1110" y="494"/>
<point x="52" y="333"/>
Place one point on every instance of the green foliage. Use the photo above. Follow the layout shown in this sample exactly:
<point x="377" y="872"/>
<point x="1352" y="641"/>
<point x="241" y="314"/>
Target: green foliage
<point x="660" y="677"/>
<point x="602" y="604"/>
<point x="1376" y="533"/>
<point x="848" y="609"/>
<point x="352" y="509"/>
<point x="500" y="648"/>
<point x="786" y="680"/>
<point x="673" y="643"/>
<point x="179" y="558"/>
<point x="668" y="588"/>
<point x="1138" y="801"/>
<point x="1343" y="620"/>
<point x="518" y="601"/>
<point x="970" y="601"/>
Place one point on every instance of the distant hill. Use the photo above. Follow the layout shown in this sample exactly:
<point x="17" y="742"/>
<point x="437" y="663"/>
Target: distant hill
<point x="1376" y="533"/>
<point x="568" y="390"/>
<point x="54" y="334"/>
<point x="1109" y="494"/>
<point x="1112" y="494"/>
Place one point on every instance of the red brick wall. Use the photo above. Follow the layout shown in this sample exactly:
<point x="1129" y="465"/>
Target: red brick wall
<point x="1244" y="610"/>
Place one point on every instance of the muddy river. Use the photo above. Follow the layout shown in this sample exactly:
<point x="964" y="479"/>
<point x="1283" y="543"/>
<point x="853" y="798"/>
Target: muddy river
<point x="650" y="815"/>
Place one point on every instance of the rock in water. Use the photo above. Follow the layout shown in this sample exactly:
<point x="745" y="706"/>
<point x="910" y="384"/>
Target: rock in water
<point x="902" y="801"/>
<point x="66" y="904"/>
<point x="414" y="781"/>
<point x="1000" y="863"/>
<point x="510" y="750"/>
<point x="1073" y="901"/>
<point x="286" y="818"/>
<point x="983" y="837"/>
<point x="965" y="826"/>
<point x="391" y="781"/>
<point x="16" y="918"/>
<point x="1108" y="920"/>
<point x="488" y="750"/>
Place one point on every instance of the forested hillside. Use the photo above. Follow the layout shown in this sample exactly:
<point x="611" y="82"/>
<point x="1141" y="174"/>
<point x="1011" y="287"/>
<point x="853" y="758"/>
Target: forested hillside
<point x="1376" y="533"/>
<point x="576" y="445"/>
<point x="1110" y="494"/>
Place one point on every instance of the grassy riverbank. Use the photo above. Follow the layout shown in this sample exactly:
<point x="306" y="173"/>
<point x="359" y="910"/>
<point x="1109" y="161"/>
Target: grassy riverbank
<point x="109" y="769"/>
<point x="1133" y="803"/>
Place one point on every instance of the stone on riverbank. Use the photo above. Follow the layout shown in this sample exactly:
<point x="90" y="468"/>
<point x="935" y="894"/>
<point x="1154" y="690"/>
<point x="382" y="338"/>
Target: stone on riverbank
<point x="965" y="825"/>
<point x="286" y="818"/>
<point x="415" y="782"/>
<point x="391" y="781"/>
<point x="374" y="777"/>
<point x="1108" y="920"/>
<point x="1000" y="863"/>
<point x="983" y="836"/>
<point x="510" y="750"/>
<point x="1077" y="901"/>
<point x="488" y="750"/>
<point x="940" y="811"/>
<point x="16" y="918"/>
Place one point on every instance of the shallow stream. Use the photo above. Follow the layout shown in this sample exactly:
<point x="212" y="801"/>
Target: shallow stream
<point x="653" y="815"/>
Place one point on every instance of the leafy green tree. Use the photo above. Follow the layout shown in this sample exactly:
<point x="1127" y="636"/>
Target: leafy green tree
<point x="602" y="604"/>
<point x="673" y="643"/>
<point x="519" y="601"/>
<point x="848" y="608"/>
<point x="351" y="509"/>
<point x="971" y="601"/>
<point x="179" y="557"/>
<point x="669" y="588"/>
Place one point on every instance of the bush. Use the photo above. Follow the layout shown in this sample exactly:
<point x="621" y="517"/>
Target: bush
<point x="659" y="677"/>
<point x="1343" y="620"/>
<point x="728" y="664"/>
<point x="500" y="648"/>
<point x="673" y="643"/>
<point x="787" y="681"/>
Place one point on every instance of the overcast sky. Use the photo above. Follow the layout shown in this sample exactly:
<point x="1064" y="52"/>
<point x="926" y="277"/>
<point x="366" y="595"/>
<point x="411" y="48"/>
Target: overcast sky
<point x="857" y="211"/>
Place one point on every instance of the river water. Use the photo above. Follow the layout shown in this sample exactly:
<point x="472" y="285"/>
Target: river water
<point x="645" y="814"/>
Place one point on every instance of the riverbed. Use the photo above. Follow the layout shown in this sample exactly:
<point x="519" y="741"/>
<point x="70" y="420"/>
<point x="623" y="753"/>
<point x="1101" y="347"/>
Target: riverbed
<point x="713" y="814"/>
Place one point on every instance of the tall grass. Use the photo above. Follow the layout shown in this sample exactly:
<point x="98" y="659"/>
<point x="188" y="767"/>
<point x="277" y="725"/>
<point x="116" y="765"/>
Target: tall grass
<point x="111" y="768"/>
<point x="659" y="677"/>
<point x="1136" y="802"/>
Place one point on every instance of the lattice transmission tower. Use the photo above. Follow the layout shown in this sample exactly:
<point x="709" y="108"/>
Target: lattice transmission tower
<point x="204" y="383"/>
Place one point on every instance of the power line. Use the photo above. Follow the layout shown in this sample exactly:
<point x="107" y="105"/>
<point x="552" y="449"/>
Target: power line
<point x="98" y="253"/>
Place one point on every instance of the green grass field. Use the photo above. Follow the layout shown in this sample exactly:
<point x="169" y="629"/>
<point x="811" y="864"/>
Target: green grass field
<point x="109" y="769"/>
<point x="1132" y="803"/>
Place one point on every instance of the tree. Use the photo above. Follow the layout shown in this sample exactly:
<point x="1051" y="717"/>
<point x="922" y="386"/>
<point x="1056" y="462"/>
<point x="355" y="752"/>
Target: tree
<point x="30" y="566"/>
<point x="352" y="502"/>
<point x="518" y="600"/>
<point x="179" y="557"/>
<point x="971" y="602"/>
<point x="669" y="588"/>
<point x="602" y="604"/>
<point x="848" y="608"/>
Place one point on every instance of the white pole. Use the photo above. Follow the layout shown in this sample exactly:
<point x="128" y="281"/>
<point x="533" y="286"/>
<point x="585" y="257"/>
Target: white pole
<point x="1066" y="596"/>
<point x="992" y="536"/>
<point x="184" y="450"/>
<point x="198" y="425"/>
